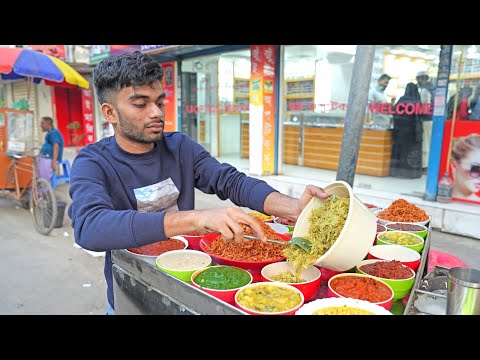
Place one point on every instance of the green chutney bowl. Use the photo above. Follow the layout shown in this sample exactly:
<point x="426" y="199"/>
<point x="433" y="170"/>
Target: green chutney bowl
<point x="399" y="226"/>
<point x="382" y="240"/>
<point x="401" y="287"/>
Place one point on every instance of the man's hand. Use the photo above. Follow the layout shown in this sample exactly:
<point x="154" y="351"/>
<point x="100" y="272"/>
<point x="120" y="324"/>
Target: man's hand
<point x="309" y="192"/>
<point x="225" y="221"/>
<point x="54" y="166"/>
<point x="288" y="207"/>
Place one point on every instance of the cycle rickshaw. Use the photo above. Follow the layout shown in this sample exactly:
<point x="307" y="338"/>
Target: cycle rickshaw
<point x="18" y="169"/>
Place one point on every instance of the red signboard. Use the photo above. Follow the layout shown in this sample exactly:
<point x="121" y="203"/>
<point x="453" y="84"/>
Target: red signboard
<point x="170" y="96"/>
<point x="52" y="50"/>
<point x="87" y="113"/>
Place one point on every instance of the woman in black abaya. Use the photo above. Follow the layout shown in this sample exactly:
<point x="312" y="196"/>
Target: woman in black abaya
<point x="406" y="161"/>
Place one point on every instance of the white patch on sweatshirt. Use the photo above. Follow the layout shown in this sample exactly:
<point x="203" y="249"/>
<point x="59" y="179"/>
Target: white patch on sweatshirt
<point x="157" y="197"/>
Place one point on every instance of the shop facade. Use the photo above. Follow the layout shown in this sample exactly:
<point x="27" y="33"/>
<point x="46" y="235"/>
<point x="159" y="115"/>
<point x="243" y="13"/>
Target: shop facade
<point x="310" y="89"/>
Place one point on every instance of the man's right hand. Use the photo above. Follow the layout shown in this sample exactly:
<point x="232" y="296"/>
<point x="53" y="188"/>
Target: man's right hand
<point x="225" y="221"/>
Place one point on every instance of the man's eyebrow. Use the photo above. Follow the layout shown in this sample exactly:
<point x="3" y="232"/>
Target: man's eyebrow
<point x="140" y="96"/>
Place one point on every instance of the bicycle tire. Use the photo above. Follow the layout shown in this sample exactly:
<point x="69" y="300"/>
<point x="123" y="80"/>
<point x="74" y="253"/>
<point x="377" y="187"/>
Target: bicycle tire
<point x="43" y="206"/>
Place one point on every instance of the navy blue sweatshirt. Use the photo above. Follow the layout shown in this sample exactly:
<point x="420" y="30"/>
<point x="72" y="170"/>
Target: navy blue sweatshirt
<point x="119" y="199"/>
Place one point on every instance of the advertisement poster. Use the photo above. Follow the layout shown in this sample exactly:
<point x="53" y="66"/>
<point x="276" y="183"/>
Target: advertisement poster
<point x="464" y="160"/>
<point x="262" y="109"/>
<point x="268" y="56"/>
<point x="87" y="112"/>
<point x="169" y="73"/>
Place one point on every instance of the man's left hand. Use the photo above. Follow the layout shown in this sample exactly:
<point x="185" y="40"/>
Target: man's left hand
<point x="54" y="165"/>
<point x="309" y="192"/>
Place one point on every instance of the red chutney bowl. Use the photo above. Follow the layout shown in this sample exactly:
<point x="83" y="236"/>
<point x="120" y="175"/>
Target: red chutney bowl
<point x="311" y="275"/>
<point x="155" y="249"/>
<point x="351" y="283"/>
<point x="254" y="267"/>
<point x="406" y="256"/>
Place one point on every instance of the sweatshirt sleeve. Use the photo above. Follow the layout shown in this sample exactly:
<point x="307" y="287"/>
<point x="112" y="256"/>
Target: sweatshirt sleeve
<point x="97" y="225"/>
<point x="224" y="180"/>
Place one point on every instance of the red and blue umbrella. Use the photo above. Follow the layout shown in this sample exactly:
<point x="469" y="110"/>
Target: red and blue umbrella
<point x="20" y="63"/>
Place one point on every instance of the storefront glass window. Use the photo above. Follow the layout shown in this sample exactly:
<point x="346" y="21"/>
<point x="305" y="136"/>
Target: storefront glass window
<point x="315" y="96"/>
<point x="215" y="103"/>
<point x="461" y="137"/>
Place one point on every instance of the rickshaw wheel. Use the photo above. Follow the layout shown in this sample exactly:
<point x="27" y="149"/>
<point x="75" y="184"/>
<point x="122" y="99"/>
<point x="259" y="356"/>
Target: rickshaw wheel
<point x="43" y="206"/>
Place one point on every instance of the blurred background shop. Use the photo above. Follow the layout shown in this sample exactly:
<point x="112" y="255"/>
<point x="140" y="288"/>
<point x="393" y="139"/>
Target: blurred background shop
<point x="280" y="110"/>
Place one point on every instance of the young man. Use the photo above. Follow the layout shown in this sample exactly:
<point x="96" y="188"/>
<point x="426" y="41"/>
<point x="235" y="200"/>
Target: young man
<point x="52" y="149"/>
<point x="138" y="186"/>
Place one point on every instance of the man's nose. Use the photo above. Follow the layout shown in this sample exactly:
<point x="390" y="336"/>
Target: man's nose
<point x="156" y="112"/>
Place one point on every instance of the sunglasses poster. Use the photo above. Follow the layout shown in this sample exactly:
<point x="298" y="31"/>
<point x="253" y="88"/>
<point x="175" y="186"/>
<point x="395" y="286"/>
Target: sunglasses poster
<point x="464" y="168"/>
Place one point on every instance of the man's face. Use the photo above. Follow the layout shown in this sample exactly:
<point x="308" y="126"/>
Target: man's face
<point x="383" y="83"/>
<point x="421" y="80"/>
<point x="140" y="113"/>
<point x="44" y="125"/>
<point x="466" y="173"/>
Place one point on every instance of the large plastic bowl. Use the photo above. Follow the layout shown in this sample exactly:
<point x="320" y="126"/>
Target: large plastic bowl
<point x="406" y="256"/>
<point x="423" y="232"/>
<point x="401" y="287"/>
<point x="183" y="263"/>
<point x="355" y="239"/>
<point x="381" y="240"/>
<point x="331" y="292"/>
<point x="264" y="295"/>
<point x="227" y="295"/>
<point x="311" y="275"/>
<point x="254" y="267"/>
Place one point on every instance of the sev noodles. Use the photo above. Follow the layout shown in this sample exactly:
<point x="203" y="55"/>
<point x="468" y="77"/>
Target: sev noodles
<point x="251" y="250"/>
<point x="325" y="225"/>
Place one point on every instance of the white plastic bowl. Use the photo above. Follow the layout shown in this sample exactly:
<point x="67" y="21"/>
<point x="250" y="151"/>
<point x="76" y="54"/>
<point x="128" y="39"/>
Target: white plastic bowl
<point x="354" y="240"/>
<point x="311" y="307"/>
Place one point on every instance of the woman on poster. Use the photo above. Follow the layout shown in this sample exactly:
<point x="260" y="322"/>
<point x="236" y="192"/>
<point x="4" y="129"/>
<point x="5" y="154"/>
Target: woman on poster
<point x="465" y="163"/>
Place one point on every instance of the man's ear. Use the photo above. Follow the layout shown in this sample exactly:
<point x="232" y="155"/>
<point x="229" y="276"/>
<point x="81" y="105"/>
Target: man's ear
<point x="109" y="113"/>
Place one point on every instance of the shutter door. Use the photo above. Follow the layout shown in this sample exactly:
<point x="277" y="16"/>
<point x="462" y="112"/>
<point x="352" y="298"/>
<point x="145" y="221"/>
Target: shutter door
<point x="20" y="91"/>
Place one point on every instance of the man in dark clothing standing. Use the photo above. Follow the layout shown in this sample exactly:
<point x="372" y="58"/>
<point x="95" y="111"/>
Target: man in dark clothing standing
<point x="52" y="150"/>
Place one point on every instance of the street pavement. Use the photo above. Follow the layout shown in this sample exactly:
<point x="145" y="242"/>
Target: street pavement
<point x="52" y="275"/>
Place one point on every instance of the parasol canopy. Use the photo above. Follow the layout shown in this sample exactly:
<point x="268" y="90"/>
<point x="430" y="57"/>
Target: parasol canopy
<point x="20" y="63"/>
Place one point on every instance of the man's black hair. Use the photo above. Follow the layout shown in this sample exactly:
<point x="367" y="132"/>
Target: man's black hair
<point x="384" y="76"/>
<point x="130" y="69"/>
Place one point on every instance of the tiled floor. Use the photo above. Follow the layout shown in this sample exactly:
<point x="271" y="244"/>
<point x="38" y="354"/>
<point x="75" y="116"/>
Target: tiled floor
<point x="302" y="174"/>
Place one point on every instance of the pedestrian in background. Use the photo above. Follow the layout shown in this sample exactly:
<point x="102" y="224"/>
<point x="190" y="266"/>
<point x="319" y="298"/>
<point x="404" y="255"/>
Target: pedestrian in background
<point x="377" y="95"/>
<point x="426" y="89"/>
<point x="51" y="153"/>
<point x="406" y="161"/>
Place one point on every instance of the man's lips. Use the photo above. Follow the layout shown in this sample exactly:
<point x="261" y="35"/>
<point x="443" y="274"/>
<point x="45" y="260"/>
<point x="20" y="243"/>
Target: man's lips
<point x="156" y="126"/>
